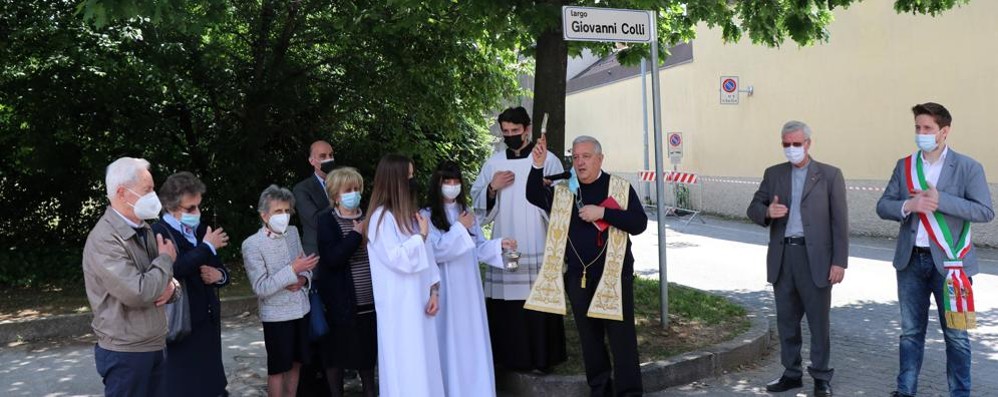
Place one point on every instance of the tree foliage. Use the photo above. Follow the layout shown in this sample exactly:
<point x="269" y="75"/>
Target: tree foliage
<point x="232" y="91"/>
<point x="235" y="91"/>
<point x="771" y="23"/>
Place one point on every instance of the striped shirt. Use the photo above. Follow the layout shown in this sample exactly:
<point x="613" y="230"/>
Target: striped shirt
<point x="360" y="266"/>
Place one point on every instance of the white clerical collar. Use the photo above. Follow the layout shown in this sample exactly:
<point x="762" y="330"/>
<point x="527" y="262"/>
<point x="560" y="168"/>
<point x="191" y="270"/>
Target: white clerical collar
<point x="600" y="175"/>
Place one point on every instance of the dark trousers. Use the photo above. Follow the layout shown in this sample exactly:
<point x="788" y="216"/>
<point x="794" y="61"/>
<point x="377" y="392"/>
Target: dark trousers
<point x="131" y="374"/>
<point x="796" y="296"/>
<point x="626" y="380"/>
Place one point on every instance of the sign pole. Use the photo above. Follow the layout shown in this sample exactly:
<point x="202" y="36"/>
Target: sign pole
<point x="633" y="26"/>
<point x="644" y="120"/>
<point x="659" y="180"/>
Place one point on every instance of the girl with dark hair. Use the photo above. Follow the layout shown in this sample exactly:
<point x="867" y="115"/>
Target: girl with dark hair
<point x="459" y="246"/>
<point x="406" y="285"/>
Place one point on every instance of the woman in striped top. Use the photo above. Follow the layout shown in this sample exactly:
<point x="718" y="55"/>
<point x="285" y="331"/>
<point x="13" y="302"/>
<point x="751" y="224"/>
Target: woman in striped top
<point x="344" y="284"/>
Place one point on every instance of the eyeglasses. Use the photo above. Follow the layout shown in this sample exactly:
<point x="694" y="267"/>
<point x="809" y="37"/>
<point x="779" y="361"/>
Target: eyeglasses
<point x="794" y="144"/>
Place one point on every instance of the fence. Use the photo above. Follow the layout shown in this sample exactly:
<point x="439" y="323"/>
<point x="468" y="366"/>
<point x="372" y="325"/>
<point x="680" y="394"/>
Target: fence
<point x="683" y="193"/>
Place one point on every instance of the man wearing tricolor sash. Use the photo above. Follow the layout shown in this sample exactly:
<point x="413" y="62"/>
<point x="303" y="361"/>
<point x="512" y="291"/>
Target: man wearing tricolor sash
<point x="936" y="194"/>
<point x="803" y="203"/>
<point x="590" y="221"/>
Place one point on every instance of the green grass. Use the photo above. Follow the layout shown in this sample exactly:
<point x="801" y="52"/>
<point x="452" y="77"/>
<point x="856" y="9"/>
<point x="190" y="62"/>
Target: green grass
<point x="696" y="320"/>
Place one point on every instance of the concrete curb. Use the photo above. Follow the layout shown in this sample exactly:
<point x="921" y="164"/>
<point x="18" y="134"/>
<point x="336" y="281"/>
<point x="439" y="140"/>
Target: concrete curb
<point x="70" y="325"/>
<point x="674" y="371"/>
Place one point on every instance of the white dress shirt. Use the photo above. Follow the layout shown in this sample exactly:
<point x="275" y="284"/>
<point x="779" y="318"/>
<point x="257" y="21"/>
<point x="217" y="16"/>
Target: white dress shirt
<point x="932" y="171"/>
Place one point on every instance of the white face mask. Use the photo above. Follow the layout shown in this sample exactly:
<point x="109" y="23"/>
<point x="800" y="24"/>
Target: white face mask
<point x="450" y="191"/>
<point x="148" y="205"/>
<point x="926" y="142"/>
<point x="279" y="223"/>
<point x="794" y="154"/>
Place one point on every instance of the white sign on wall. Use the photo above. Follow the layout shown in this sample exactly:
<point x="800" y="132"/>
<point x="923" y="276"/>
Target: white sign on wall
<point x="606" y="24"/>
<point x="729" y="90"/>
<point x="676" y="147"/>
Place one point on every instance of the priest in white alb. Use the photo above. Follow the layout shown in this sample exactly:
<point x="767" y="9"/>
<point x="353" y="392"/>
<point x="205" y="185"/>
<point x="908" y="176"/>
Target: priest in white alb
<point x="522" y="340"/>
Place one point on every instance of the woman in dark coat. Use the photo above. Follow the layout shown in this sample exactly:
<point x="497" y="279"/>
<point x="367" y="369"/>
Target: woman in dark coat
<point x="194" y="363"/>
<point x="344" y="284"/>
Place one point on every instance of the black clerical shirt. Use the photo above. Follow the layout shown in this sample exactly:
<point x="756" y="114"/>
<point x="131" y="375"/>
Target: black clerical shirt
<point x="584" y="235"/>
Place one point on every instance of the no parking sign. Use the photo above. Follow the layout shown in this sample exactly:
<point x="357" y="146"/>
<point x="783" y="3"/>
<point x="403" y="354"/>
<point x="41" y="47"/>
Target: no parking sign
<point x="729" y="90"/>
<point x="675" y="147"/>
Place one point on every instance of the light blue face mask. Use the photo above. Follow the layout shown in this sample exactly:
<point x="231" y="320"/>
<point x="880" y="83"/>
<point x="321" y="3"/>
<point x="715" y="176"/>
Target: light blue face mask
<point x="926" y="142"/>
<point x="350" y="200"/>
<point x="573" y="182"/>
<point x="191" y="220"/>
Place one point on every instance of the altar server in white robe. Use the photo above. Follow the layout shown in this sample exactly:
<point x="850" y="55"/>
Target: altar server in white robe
<point x="406" y="285"/>
<point x="522" y="340"/>
<point x="459" y="246"/>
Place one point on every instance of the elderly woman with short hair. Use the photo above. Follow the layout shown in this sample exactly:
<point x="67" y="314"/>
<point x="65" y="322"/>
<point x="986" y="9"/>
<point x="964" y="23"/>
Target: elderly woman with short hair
<point x="197" y="355"/>
<point x="280" y="275"/>
<point x="344" y="284"/>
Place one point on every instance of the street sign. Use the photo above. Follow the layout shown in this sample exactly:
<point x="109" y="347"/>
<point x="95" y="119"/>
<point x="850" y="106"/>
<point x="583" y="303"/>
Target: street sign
<point x="729" y="90"/>
<point x="675" y="147"/>
<point x="615" y="25"/>
<point x="606" y="24"/>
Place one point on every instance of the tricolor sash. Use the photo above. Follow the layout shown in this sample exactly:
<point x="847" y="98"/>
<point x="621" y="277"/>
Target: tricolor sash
<point x="958" y="295"/>
<point x="548" y="292"/>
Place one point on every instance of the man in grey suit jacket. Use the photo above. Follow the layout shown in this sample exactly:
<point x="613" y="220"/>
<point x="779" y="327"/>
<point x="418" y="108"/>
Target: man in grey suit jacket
<point x="959" y="191"/>
<point x="310" y="193"/>
<point x="803" y="202"/>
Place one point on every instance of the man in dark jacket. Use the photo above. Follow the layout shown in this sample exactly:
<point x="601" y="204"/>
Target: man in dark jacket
<point x="803" y="203"/>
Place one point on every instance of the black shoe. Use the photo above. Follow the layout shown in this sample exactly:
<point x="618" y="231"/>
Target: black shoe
<point x="900" y="394"/>
<point x="783" y="384"/>
<point x="822" y="388"/>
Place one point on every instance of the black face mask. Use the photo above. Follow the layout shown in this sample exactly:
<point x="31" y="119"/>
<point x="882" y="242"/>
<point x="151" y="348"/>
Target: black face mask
<point x="327" y="166"/>
<point x="413" y="186"/>
<point x="514" y="142"/>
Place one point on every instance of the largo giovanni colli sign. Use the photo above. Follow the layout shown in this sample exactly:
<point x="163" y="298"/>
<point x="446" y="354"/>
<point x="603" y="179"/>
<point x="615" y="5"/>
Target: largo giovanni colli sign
<point x="607" y="24"/>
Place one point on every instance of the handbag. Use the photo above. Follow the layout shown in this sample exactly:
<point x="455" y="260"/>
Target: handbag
<point x="178" y="313"/>
<point x="318" y="326"/>
<point x="178" y="317"/>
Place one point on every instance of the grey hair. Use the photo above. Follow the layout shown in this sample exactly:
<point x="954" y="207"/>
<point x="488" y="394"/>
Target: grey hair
<point x="123" y="172"/>
<point x="586" y="138"/>
<point x="794" y="126"/>
<point x="274" y="193"/>
<point x="176" y="186"/>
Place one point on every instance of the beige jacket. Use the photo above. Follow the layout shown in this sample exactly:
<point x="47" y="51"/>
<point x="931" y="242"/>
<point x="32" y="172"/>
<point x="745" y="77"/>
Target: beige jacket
<point x="123" y="280"/>
<point x="268" y="260"/>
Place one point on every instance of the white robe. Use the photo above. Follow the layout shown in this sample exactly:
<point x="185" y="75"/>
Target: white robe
<point x="516" y="218"/>
<point x="462" y="325"/>
<point x="402" y="272"/>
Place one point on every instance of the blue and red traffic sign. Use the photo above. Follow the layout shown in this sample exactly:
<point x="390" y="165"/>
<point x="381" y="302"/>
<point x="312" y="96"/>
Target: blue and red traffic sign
<point x="729" y="85"/>
<point x="675" y="139"/>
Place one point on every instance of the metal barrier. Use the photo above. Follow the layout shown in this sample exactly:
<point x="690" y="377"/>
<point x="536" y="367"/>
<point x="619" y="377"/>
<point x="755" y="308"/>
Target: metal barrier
<point x="683" y="193"/>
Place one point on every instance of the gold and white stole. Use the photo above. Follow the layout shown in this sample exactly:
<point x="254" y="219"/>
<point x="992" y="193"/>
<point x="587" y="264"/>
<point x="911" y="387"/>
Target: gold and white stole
<point x="548" y="292"/>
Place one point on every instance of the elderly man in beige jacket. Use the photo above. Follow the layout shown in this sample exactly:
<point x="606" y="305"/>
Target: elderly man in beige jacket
<point x="129" y="277"/>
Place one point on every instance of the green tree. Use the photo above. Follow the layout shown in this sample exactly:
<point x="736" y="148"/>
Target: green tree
<point x="233" y="91"/>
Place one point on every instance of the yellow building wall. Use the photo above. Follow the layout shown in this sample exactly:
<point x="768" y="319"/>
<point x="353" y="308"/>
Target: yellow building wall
<point x="855" y="92"/>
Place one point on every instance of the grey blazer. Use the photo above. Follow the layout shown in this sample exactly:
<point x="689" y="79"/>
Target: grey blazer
<point x="963" y="195"/>
<point x="310" y="201"/>
<point x="823" y="213"/>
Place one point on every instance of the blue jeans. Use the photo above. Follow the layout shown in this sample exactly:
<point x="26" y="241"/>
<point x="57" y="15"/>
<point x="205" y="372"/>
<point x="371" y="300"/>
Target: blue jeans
<point x="915" y="282"/>
<point x="132" y="374"/>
